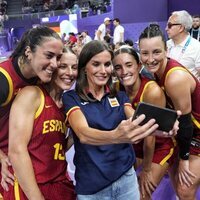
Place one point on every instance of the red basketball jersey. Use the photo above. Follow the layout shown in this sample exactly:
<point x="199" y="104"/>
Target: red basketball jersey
<point x="48" y="145"/>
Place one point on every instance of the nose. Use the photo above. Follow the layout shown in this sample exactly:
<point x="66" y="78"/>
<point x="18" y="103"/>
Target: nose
<point x="54" y="63"/>
<point x="150" y="58"/>
<point x="124" y="71"/>
<point x="69" y="70"/>
<point x="103" y="69"/>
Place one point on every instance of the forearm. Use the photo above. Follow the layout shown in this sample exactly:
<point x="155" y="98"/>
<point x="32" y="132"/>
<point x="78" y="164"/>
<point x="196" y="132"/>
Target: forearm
<point x="93" y="136"/>
<point x="184" y="136"/>
<point x="24" y="172"/>
<point x="148" y="151"/>
<point x="2" y="155"/>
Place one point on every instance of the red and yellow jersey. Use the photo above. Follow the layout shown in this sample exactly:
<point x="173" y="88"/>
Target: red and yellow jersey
<point x="15" y="83"/>
<point x="162" y="143"/>
<point x="47" y="145"/>
<point x="172" y="66"/>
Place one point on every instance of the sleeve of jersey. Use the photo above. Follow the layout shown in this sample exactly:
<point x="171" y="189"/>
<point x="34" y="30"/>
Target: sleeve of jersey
<point x="4" y="89"/>
<point x="70" y="103"/>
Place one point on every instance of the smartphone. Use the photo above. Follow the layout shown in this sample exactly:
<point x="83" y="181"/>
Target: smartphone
<point x="164" y="117"/>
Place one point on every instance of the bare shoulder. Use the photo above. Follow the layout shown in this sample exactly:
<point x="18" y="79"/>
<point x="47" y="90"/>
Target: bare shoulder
<point x="154" y="94"/>
<point x="29" y="95"/>
<point x="179" y="79"/>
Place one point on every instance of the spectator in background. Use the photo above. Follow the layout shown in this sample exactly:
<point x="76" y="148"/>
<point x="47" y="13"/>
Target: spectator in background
<point x="106" y="39"/>
<point x="129" y="42"/>
<point x="195" y="30"/>
<point x="86" y="37"/>
<point x="101" y="32"/>
<point x="181" y="46"/>
<point x="118" y="31"/>
<point x="119" y="44"/>
<point x="46" y="6"/>
<point x="64" y="38"/>
<point x="71" y="40"/>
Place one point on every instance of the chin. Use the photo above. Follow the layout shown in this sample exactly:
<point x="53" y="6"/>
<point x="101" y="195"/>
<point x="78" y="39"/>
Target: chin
<point x="45" y="79"/>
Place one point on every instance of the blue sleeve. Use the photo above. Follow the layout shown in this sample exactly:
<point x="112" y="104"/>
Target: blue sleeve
<point x="70" y="100"/>
<point x="123" y="98"/>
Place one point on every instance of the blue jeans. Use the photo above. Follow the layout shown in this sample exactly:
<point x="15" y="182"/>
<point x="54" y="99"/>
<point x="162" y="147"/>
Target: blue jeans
<point x="125" y="188"/>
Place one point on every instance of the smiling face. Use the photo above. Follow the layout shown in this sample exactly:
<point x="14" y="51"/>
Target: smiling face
<point x="67" y="71"/>
<point x="98" y="70"/>
<point x="44" y="61"/>
<point x="153" y="53"/>
<point x="126" y="68"/>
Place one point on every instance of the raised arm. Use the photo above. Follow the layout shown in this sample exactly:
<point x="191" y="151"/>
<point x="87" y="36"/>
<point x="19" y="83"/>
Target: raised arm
<point x="20" y="131"/>
<point x="127" y="131"/>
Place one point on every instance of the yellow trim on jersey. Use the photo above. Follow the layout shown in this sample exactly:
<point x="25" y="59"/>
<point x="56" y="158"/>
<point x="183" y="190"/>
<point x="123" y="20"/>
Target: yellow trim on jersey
<point x="10" y="86"/>
<point x="39" y="110"/>
<point x="16" y="189"/>
<point x="146" y="85"/>
<point x="196" y="122"/>
<point x="71" y="110"/>
<point x="174" y="69"/>
<point x="167" y="157"/>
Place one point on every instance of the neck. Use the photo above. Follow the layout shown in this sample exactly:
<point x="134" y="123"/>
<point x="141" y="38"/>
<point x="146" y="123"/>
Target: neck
<point x="97" y="92"/>
<point x="132" y="90"/>
<point x="55" y="93"/>
<point x="25" y="69"/>
<point x="180" y="38"/>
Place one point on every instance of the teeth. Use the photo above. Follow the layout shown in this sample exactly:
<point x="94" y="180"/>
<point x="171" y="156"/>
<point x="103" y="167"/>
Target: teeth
<point x="50" y="72"/>
<point x="68" y="80"/>
<point x="126" y="77"/>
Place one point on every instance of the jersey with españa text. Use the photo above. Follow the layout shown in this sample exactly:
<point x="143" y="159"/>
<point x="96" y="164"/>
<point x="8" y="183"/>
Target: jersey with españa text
<point x="47" y="145"/>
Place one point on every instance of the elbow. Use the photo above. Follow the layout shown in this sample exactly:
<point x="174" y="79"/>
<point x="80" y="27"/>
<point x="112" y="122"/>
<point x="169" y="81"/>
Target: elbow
<point x="83" y="139"/>
<point x="12" y="155"/>
<point x="14" y="152"/>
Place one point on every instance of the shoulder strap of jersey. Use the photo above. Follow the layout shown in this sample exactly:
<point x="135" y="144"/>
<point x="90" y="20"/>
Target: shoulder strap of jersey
<point x="10" y="83"/>
<point x="145" y="87"/>
<point x="42" y="102"/>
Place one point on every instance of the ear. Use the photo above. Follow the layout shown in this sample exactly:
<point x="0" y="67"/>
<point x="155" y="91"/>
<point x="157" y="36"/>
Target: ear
<point x="28" y="52"/>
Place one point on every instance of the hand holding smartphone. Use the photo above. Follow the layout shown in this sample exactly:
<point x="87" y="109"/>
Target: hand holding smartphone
<point x="164" y="117"/>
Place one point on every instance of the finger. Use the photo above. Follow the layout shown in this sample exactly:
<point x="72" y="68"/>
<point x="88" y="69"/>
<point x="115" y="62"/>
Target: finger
<point x="5" y="186"/>
<point x="142" y="190"/>
<point x="10" y="175"/>
<point x="152" y="186"/>
<point x="10" y="181"/>
<point x="186" y="180"/>
<point x="147" y="189"/>
<point x="8" y="162"/>
<point x="143" y="131"/>
<point x="180" y="179"/>
<point x="179" y="113"/>
<point x="188" y="177"/>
